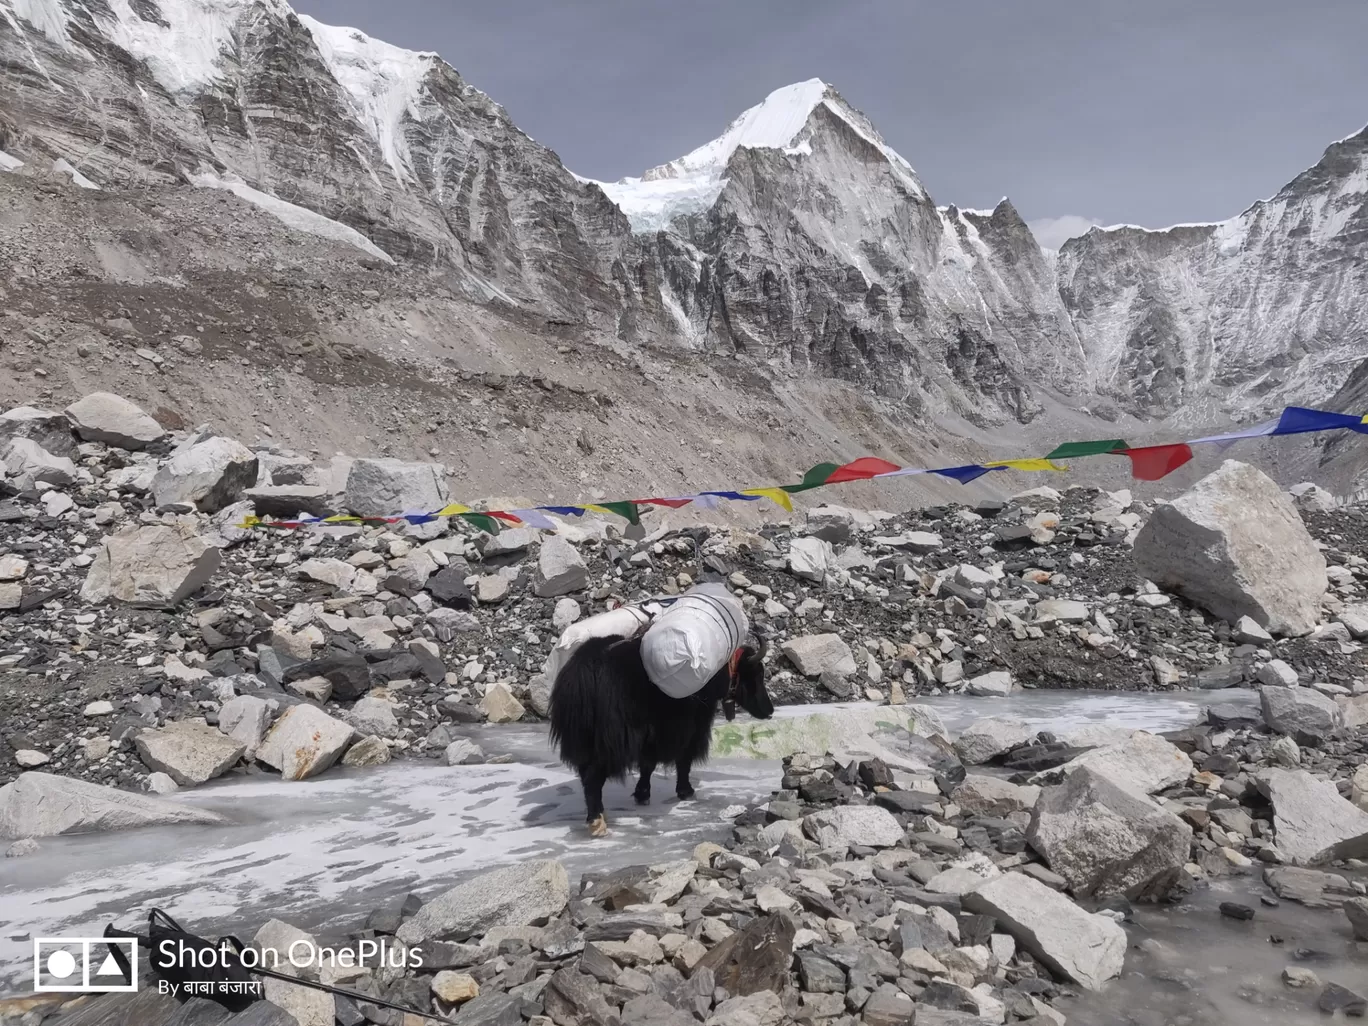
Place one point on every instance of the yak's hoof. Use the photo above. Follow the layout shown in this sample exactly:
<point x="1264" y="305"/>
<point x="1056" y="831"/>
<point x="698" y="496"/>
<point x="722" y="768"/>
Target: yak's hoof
<point x="685" y="794"/>
<point x="642" y="799"/>
<point x="598" y="827"/>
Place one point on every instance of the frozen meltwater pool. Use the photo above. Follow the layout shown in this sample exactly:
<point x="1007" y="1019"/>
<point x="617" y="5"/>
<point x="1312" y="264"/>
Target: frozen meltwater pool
<point x="322" y="853"/>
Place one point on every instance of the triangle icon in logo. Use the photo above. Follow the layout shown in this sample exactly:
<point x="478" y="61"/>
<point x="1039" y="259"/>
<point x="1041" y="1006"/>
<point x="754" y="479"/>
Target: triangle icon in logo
<point x="109" y="967"/>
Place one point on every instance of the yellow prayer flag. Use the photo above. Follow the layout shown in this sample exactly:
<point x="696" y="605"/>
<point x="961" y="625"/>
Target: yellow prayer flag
<point x="454" y="510"/>
<point x="341" y="518"/>
<point x="249" y="522"/>
<point x="598" y="509"/>
<point x="776" y="495"/>
<point x="1031" y="464"/>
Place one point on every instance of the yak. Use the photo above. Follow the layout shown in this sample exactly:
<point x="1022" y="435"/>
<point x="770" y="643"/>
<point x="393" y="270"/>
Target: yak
<point x="607" y="717"/>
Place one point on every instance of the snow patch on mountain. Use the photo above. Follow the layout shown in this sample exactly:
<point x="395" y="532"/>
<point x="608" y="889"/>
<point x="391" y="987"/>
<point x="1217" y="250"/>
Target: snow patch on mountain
<point x="47" y="16"/>
<point x="9" y="162"/>
<point x="383" y="82"/>
<point x="298" y="218"/>
<point x="77" y="179"/>
<point x="692" y="183"/>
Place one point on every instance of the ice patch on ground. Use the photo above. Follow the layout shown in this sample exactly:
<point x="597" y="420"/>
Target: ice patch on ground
<point x="9" y="163"/>
<point x="76" y="177"/>
<point x="383" y="82"/>
<point x="298" y="218"/>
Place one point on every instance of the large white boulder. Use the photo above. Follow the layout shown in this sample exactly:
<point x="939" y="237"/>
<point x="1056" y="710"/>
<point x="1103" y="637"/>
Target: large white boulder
<point x="1312" y="822"/>
<point x="1144" y="763"/>
<point x="210" y="475"/>
<point x="1105" y="839"/>
<point x="154" y="565"/>
<point x="515" y="895"/>
<point x="43" y="805"/>
<point x="108" y="418"/>
<point x="1303" y="714"/>
<point x="1235" y="545"/>
<point x="385" y="486"/>
<point x="1085" y="948"/>
<point x="189" y="753"/>
<point x="815" y="654"/>
<point x="560" y="569"/>
<point x="304" y="742"/>
<point x="30" y="465"/>
<point x="867" y="826"/>
<point x="811" y="558"/>
<point x="984" y="740"/>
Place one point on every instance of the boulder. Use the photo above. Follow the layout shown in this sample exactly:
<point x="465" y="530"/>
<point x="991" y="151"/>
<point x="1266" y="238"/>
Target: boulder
<point x="1084" y="948"/>
<point x="1063" y="610"/>
<point x="154" y="565"/>
<point x="834" y="524"/>
<point x="49" y="430"/>
<point x="1304" y="715"/>
<point x="369" y="751"/>
<point x="560" y="569"/>
<point x="1356" y="909"/>
<point x="1107" y="840"/>
<point x="866" y="826"/>
<point x="383" y="487"/>
<point x="373" y="716"/>
<point x="103" y="417"/>
<point x="1144" y="763"/>
<point x="811" y="558"/>
<point x="996" y="684"/>
<point x="982" y="795"/>
<point x="499" y="705"/>
<point x="515" y="895"/>
<point x="30" y="465"/>
<point x="815" y="654"/>
<point x="43" y="805"/>
<point x="210" y="475"/>
<point x="189" y="753"/>
<point x="290" y="500"/>
<point x="304" y="742"/>
<point x="984" y="740"/>
<point x="1312" y="822"/>
<point x="755" y="958"/>
<point x="1235" y="545"/>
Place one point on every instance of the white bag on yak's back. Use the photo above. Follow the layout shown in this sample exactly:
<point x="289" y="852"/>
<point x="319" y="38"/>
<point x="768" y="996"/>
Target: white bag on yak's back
<point x="622" y="622"/>
<point x="694" y="638"/>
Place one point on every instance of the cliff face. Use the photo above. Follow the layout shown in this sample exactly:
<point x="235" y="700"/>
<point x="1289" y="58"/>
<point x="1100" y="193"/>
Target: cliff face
<point x="1250" y="314"/>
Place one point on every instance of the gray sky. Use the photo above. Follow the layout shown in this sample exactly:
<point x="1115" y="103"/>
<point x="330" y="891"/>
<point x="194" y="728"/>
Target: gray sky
<point x="1143" y="111"/>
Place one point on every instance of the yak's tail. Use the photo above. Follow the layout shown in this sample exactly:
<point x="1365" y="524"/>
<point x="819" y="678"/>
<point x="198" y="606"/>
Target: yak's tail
<point x="591" y="700"/>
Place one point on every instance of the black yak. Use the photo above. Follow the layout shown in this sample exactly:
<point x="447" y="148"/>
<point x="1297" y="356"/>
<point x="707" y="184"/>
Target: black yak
<point x="607" y="717"/>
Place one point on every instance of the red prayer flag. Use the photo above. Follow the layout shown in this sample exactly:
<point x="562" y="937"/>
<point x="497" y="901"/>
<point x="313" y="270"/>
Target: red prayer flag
<point x="1151" y="462"/>
<point x="669" y="503"/>
<point x="861" y="470"/>
<point x="505" y="516"/>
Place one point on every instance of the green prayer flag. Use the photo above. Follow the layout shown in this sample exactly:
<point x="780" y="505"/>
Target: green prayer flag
<point x="623" y="509"/>
<point x="487" y="524"/>
<point x="1073" y="450"/>
<point x="814" y="478"/>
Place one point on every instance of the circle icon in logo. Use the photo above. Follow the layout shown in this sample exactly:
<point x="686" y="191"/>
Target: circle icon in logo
<point x="61" y="964"/>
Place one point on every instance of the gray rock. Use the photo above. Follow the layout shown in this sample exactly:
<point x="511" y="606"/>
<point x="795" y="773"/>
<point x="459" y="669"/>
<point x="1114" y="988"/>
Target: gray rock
<point x="993" y="796"/>
<point x="371" y="750"/>
<point x="1302" y="714"/>
<point x="1235" y="545"/>
<point x="1106" y="840"/>
<point x="1087" y="949"/>
<point x="382" y="487"/>
<point x="304" y="742"/>
<point x="30" y="465"/>
<point x="560" y="569"/>
<point x="1312" y="822"/>
<point x="210" y="475"/>
<point x="189" y="753"/>
<point x="51" y="431"/>
<point x="151" y="565"/>
<point x="984" y="740"/>
<point x="43" y="805"/>
<point x="245" y="718"/>
<point x="464" y="752"/>
<point x="1064" y="610"/>
<point x="289" y="500"/>
<point x="103" y="417"/>
<point x="861" y="825"/>
<point x="811" y="558"/>
<point x="373" y="716"/>
<point x="1356" y="909"/>
<point x="516" y="895"/>
<point x="997" y="684"/>
<point x="814" y="654"/>
<point x="1144" y="763"/>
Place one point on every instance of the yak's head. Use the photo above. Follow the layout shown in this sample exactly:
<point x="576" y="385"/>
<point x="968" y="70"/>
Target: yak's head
<point x="749" y="688"/>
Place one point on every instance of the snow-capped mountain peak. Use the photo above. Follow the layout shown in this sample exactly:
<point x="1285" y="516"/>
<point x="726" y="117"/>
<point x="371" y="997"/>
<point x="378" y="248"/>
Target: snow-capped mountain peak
<point x="692" y="183"/>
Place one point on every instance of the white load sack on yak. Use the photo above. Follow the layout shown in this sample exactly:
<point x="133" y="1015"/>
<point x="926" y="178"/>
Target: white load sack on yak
<point x="688" y="644"/>
<point x="688" y="638"/>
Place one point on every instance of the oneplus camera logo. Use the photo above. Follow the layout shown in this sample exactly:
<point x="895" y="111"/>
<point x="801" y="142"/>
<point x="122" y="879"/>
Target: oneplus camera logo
<point x="83" y="965"/>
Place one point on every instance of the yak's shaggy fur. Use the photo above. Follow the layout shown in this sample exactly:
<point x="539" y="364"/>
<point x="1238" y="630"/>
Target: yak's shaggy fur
<point x="607" y="718"/>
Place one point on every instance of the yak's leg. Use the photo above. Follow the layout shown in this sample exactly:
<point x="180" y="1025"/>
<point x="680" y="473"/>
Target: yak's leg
<point x="642" y="794"/>
<point x="683" y="789"/>
<point x="593" y="781"/>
